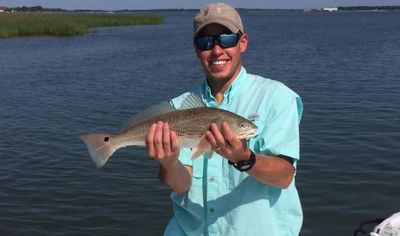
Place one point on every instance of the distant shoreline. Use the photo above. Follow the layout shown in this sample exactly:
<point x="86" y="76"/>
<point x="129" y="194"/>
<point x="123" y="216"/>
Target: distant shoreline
<point x="66" y="24"/>
<point x="338" y="8"/>
<point x="38" y="21"/>
<point x="370" y="8"/>
<point x="357" y="9"/>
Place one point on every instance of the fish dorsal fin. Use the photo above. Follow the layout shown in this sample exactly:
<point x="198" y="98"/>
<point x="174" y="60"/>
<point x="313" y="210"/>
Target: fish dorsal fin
<point x="192" y="101"/>
<point x="153" y="111"/>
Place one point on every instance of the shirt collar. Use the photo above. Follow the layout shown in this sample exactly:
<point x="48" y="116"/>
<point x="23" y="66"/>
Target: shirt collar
<point x="232" y="90"/>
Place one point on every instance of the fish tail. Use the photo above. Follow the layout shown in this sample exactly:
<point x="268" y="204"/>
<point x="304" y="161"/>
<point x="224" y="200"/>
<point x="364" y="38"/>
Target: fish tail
<point x="100" y="147"/>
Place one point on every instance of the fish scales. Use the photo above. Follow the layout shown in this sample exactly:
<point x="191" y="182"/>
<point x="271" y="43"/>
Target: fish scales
<point x="189" y="122"/>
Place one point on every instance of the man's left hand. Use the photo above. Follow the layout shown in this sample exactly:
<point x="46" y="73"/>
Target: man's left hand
<point x="226" y="143"/>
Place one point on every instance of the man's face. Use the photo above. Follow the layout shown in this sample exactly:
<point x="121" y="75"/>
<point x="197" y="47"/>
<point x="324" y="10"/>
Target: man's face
<point x="221" y="64"/>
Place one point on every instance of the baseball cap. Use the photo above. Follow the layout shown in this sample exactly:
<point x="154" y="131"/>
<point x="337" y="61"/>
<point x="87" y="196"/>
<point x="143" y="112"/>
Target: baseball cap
<point x="219" y="13"/>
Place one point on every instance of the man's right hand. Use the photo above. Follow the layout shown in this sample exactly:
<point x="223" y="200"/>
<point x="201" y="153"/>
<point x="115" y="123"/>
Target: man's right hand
<point x="163" y="145"/>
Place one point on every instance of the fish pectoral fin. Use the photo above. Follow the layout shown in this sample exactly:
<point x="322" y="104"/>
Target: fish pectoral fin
<point x="202" y="147"/>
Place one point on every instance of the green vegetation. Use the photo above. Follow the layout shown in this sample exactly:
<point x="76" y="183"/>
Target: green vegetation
<point x="66" y="24"/>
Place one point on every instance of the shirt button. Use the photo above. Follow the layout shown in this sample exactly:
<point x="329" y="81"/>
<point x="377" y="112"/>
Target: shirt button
<point x="211" y="210"/>
<point x="212" y="179"/>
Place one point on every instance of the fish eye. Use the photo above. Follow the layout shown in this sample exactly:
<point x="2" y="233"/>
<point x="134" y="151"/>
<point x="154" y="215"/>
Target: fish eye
<point x="242" y="125"/>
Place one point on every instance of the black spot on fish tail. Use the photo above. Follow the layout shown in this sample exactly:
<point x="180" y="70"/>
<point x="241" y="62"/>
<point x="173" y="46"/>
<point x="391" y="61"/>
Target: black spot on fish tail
<point x="106" y="139"/>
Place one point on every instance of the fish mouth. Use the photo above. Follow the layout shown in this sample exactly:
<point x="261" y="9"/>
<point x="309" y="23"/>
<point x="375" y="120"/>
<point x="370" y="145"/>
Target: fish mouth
<point x="251" y="134"/>
<point x="247" y="135"/>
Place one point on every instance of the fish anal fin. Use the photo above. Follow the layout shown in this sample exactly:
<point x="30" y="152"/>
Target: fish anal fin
<point x="202" y="147"/>
<point x="210" y="153"/>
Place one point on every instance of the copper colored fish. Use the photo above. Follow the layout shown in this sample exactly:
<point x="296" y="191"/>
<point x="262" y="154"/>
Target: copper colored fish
<point x="190" y="123"/>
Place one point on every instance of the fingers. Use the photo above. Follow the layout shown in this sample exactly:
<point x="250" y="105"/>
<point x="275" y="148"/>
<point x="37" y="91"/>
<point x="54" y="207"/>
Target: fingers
<point x="174" y="142"/>
<point x="166" y="139"/>
<point x="225" y="142"/>
<point x="161" y="142"/>
<point x="158" y="140"/>
<point x="229" y="135"/>
<point x="210" y="138"/>
<point x="218" y="137"/>
<point x="150" y="141"/>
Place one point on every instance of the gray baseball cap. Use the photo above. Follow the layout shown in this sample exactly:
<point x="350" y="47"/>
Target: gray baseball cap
<point x="219" y="13"/>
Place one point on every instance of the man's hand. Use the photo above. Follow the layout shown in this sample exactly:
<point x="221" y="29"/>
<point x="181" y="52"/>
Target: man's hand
<point x="272" y="170"/>
<point x="226" y="143"/>
<point x="163" y="145"/>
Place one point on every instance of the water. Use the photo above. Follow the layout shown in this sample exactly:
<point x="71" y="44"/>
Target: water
<point x="346" y="67"/>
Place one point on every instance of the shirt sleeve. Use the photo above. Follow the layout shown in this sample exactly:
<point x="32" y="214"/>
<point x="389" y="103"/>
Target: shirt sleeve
<point x="280" y="135"/>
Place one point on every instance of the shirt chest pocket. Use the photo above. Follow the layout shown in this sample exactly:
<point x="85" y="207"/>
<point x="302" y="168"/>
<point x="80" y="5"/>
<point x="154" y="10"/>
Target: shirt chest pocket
<point x="196" y="190"/>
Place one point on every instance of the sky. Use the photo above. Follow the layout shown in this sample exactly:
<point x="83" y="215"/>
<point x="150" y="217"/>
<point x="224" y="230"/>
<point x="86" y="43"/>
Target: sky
<point x="191" y="4"/>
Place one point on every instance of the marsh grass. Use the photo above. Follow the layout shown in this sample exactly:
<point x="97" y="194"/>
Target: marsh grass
<point x="65" y="24"/>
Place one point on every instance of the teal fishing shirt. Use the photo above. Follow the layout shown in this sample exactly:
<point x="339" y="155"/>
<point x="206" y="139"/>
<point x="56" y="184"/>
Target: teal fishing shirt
<point x="224" y="201"/>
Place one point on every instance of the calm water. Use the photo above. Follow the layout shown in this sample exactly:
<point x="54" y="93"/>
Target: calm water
<point x="345" y="66"/>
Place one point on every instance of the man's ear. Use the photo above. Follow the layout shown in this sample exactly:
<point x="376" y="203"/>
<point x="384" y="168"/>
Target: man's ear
<point x="243" y="41"/>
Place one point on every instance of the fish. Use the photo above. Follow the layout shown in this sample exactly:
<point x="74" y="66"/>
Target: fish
<point x="190" y="122"/>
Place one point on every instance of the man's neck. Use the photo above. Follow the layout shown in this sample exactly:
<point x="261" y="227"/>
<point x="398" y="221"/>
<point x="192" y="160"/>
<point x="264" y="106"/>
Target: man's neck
<point x="218" y="89"/>
<point x="219" y="86"/>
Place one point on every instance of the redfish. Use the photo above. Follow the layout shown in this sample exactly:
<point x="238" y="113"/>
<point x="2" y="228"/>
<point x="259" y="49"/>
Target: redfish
<point x="189" y="122"/>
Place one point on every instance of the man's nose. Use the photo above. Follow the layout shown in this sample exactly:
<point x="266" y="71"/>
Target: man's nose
<point x="216" y="47"/>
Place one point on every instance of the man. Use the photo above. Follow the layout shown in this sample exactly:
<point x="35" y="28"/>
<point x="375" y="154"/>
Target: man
<point x="246" y="188"/>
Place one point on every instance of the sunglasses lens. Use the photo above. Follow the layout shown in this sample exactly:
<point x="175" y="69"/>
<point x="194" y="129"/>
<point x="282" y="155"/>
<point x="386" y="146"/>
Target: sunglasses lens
<point x="228" y="40"/>
<point x="204" y="43"/>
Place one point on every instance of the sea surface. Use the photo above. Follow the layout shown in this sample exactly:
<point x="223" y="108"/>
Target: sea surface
<point x="345" y="66"/>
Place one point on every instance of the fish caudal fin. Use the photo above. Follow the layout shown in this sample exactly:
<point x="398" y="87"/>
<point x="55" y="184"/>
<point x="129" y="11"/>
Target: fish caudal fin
<point x="100" y="147"/>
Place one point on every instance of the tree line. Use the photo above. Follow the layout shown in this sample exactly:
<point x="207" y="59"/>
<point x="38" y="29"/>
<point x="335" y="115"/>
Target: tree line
<point x="32" y="9"/>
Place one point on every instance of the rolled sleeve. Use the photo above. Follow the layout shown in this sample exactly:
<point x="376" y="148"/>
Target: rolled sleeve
<point x="280" y="135"/>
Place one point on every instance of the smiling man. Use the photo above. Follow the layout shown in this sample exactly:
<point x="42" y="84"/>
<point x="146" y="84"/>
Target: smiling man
<point x="246" y="188"/>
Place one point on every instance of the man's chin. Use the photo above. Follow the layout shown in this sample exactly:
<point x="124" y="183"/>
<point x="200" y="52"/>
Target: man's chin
<point x="218" y="75"/>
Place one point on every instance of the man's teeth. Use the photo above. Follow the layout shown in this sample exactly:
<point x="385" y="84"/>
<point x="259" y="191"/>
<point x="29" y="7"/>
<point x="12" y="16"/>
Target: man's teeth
<point x="218" y="62"/>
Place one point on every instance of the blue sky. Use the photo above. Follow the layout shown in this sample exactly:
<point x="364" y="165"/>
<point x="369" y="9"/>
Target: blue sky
<point x="163" y="4"/>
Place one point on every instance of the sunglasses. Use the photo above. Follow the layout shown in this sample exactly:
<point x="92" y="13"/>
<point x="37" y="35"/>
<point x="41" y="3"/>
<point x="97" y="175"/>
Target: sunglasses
<point x="204" y="43"/>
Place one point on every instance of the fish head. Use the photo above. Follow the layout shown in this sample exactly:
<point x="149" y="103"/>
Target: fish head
<point x="244" y="128"/>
